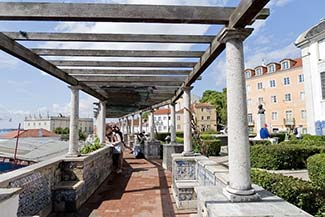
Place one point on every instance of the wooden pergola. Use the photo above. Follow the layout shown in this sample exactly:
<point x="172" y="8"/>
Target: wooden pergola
<point x="139" y="89"/>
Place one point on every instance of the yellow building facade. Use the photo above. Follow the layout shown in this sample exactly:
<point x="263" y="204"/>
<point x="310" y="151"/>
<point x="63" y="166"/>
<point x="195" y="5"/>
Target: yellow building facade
<point x="279" y="87"/>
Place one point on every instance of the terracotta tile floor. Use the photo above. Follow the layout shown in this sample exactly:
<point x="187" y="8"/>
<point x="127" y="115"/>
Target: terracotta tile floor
<point x="142" y="190"/>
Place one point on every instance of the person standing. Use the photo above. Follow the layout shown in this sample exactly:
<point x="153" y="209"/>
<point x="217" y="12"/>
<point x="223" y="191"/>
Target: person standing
<point x="114" y="139"/>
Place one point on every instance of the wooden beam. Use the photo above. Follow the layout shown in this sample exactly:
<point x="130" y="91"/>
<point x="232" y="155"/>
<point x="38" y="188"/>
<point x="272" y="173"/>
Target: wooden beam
<point x="123" y="64"/>
<point x="114" y="13"/>
<point x="125" y="72"/>
<point x="99" y="37"/>
<point x="130" y="79"/>
<point x="17" y="50"/>
<point x="117" y="53"/>
<point x="132" y="84"/>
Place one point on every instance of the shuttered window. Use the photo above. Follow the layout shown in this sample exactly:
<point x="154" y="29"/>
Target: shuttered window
<point x="322" y="80"/>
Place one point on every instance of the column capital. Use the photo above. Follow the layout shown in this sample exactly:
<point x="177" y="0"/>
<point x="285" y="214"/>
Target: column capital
<point x="74" y="87"/>
<point x="233" y="33"/>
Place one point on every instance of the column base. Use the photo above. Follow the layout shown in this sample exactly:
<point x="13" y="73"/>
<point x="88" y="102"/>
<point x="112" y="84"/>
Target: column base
<point x="235" y="195"/>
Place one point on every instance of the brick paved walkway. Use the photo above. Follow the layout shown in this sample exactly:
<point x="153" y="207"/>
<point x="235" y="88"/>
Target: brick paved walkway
<point x="142" y="190"/>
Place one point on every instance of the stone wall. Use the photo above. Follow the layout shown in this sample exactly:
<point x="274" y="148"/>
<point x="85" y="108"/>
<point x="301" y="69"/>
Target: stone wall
<point x="67" y="181"/>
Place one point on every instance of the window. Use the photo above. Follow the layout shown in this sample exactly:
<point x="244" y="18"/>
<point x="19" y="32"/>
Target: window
<point x="274" y="116"/>
<point x="159" y="118"/>
<point x="165" y="127"/>
<point x="271" y="68"/>
<point x="250" y="118"/>
<point x="39" y="123"/>
<point x="202" y="109"/>
<point x="289" y="115"/>
<point x="286" y="81"/>
<point x="164" y="117"/>
<point x="208" y="117"/>
<point x="321" y="49"/>
<point x="272" y="83"/>
<point x="258" y="71"/>
<point x="273" y="99"/>
<point x="287" y="97"/>
<point x="260" y="100"/>
<point x="248" y="88"/>
<point x="202" y="118"/>
<point x="303" y="114"/>
<point x="247" y="74"/>
<point x="178" y="117"/>
<point x="302" y="95"/>
<point x="178" y="126"/>
<point x="322" y="81"/>
<point x="208" y="127"/>
<point x="159" y="128"/>
<point x="285" y="65"/>
<point x="259" y="85"/>
<point x="34" y="124"/>
<point x="301" y="78"/>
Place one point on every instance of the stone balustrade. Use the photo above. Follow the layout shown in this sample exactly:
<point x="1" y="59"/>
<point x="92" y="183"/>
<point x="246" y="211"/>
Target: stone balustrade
<point x="58" y="184"/>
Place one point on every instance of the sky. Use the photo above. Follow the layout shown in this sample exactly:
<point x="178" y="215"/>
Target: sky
<point x="27" y="91"/>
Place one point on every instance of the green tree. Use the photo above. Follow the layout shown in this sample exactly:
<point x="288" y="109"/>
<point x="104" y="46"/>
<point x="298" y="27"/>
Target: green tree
<point x="219" y="100"/>
<point x="58" y="130"/>
<point x="65" y="131"/>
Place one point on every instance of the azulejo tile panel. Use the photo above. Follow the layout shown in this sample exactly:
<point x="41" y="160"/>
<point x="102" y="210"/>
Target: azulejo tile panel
<point x="185" y="170"/>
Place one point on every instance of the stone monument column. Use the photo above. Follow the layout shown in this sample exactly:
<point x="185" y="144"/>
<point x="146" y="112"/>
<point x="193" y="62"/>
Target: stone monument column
<point x="260" y="121"/>
<point x="239" y="187"/>
<point x="173" y="124"/>
<point x="74" y="123"/>
<point x="140" y="122"/>
<point x="187" y="121"/>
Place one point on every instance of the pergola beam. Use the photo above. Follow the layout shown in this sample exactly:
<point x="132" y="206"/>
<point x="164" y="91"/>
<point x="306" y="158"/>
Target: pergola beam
<point x="17" y="50"/>
<point x="114" y="13"/>
<point x="117" y="53"/>
<point x="97" y="37"/>
<point x="103" y="78"/>
<point x="72" y="63"/>
<point x="127" y="84"/>
<point x="125" y="72"/>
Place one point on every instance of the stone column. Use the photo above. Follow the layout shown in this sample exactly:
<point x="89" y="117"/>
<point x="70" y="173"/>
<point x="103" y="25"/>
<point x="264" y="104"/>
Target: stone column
<point x="127" y="125"/>
<point x="239" y="187"/>
<point x="152" y="125"/>
<point x="74" y="122"/>
<point x="132" y="125"/>
<point x="140" y="122"/>
<point x="102" y="122"/>
<point x="173" y="124"/>
<point x="187" y="121"/>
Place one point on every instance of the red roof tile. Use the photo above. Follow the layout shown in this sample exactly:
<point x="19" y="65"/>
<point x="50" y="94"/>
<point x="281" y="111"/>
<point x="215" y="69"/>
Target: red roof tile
<point x="28" y="133"/>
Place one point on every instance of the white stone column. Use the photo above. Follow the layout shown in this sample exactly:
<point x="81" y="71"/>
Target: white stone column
<point x="74" y="122"/>
<point x="152" y="125"/>
<point x="102" y="122"/>
<point x="132" y="125"/>
<point x="127" y="126"/>
<point x="140" y="122"/>
<point x="187" y="121"/>
<point x="173" y="124"/>
<point x="239" y="187"/>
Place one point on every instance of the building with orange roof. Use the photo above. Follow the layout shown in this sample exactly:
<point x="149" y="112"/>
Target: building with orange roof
<point x="28" y="134"/>
<point x="279" y="87"/>
<point x="205" y="115"/>
<point x="162" y="120"/>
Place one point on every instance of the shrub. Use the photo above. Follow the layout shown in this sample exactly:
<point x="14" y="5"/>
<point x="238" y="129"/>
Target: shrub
<point x="179" y="140"/>
<point x="162" y="136"/>
<point x="180" y="134"/>
<point x="301" y="193"/>
<point x="260" y="142"/>
<point x="207" y="136"/>
<point x="281" y="136"/>
<point x="211" y="147"/>
<point x="316" y="169"/>
<point x="87" y="148"/>
<point x="282" y="156"/>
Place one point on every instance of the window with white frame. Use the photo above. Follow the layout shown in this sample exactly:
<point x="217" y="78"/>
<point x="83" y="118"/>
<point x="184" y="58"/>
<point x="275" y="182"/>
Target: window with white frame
<point x="302" y="95"/>
<point x="248" y="88"/>
<point x="322" y="81"/>
<point x="273" y="99"/>
<point x="301" y="78"/>
<point x="321" y="49"/>
<point x="274" y="116"/>
<point x="271" y="68"/>
<point x="260" y="100"/>
<point x="285" y="65"/>
<point x="250" y="118"/>
<point x="289" y="115"/>
<point x="178" y="117"/>
<point x="258" y="71"/>
<point x="286" y="80"/>
<point x="303" y="114"/>
<point x="248" y="74"/>
<point x="208" y="117"/>
<point x="272" y="83"/>
<point x="287" y="97"/>
<point x="259" y="85"/>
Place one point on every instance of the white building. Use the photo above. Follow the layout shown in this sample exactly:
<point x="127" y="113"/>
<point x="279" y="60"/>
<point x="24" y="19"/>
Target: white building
<point x="51" y="123"/>
<point x="312" y="44"/>
<point x="162" y="119"/>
